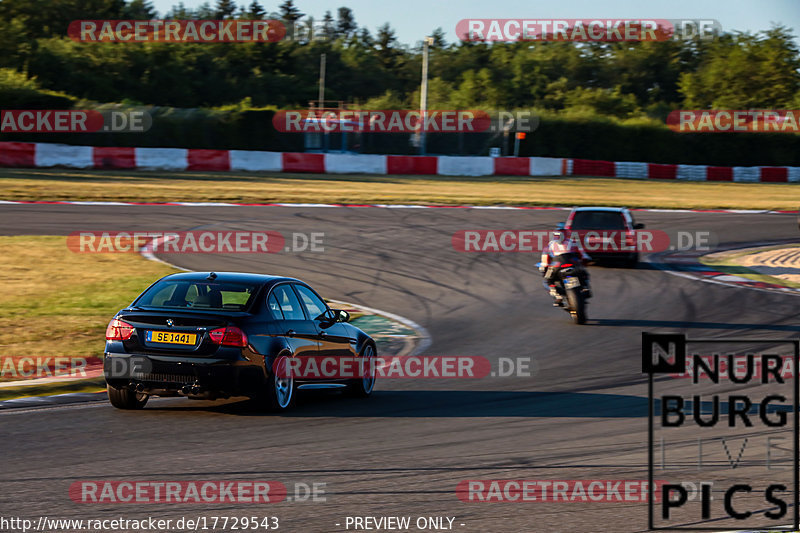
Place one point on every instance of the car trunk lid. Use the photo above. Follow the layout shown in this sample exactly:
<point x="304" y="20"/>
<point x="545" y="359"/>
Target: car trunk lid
<point x="173" y="332"/>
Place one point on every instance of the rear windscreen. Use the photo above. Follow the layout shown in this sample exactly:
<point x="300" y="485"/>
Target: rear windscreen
<point x="182" y="294"/>
<point x="597" y="220"/>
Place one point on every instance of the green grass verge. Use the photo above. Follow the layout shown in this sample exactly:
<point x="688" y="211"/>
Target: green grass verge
<point x="59" y="302"/>
<point x="93" y="185"/>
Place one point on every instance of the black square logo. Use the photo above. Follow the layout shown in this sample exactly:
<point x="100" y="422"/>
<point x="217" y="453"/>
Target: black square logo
<point x="663" y="353"/>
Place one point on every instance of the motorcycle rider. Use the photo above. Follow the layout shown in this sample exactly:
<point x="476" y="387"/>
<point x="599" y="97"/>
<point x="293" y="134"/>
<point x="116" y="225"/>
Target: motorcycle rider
<point x="560" y="249"/>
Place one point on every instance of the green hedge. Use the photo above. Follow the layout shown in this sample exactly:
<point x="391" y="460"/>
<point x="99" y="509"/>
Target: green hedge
<point x="614" y="142"/>
<point x="555" y="137"/>
<point x="187" y="128"/>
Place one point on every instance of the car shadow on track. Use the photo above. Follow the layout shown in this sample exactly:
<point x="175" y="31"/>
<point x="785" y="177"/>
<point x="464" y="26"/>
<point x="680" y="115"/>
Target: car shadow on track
<point x="442" y="404"/>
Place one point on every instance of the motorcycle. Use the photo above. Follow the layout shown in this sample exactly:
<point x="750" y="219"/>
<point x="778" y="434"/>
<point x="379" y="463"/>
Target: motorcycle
<point x="568" y="277"/>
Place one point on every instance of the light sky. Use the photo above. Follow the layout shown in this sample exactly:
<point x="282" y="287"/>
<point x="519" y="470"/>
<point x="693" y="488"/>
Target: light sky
<point x="413" y="19"/>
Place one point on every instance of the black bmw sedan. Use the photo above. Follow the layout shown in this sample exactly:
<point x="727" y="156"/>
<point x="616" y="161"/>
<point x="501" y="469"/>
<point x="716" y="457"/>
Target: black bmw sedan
<point x="210" y="335"/>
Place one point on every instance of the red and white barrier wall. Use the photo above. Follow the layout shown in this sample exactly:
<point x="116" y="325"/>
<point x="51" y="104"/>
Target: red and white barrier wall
<point x="14" y="154"/>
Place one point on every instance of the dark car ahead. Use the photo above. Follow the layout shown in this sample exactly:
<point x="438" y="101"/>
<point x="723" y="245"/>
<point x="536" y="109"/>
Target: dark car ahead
<point x="216" y="335"/>
<point x="606" y="232"/>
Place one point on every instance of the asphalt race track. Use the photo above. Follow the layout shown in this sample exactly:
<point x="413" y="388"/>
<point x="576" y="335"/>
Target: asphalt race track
<point x="581" y="415"/>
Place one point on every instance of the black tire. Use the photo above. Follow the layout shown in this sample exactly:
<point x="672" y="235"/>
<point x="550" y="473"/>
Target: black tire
<point x="126" y="398"/>
<point x="577" y="306"/>
<point x="278" y="393"/>
<point x="363" y="387"/>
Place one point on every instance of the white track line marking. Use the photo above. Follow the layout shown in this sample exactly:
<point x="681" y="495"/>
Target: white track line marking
<point x="383" y="206"/>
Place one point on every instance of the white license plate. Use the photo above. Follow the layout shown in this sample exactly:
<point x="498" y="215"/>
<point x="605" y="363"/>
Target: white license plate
<point x="571" y="283"/>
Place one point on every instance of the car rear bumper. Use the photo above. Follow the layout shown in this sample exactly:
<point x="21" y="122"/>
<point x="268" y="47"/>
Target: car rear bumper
<point x="173" y="376"/>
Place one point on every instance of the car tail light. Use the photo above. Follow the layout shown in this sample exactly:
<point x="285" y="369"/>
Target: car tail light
<point x="118" y="330"/>
<point x="630" y="238"/>
<point x="229" y="336"/>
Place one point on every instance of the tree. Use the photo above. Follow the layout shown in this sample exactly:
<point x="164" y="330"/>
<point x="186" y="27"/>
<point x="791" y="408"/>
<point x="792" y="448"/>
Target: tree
<point x="439" y="41"/>
<point x="604" y="102"/>
<point x="328" y="28"/>
<point x="255" y="11"/>
<point x="290" y="15"/>
<point x="204" y="12"/>
<point x="616" y="79"/>
<point x="365" y="38"/>
<point x="745" y="72"/>
<point x="386" y="42"/>
<point x="45" y="18"/>
<point x="477" y="89"/>
<point x="139" y="10"/>
<point x="179" y="12"/>
<point x="14" y="43"/>
<point x="306" y="31"/>
<point x="224" y="9"/>
<point x="439" y="95"/>
<point x="345" y="22"/>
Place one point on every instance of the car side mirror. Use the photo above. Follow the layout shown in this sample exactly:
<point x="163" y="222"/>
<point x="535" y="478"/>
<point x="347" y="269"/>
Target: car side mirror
<point x="341" y="315"/>
<point x="638" y="225"/>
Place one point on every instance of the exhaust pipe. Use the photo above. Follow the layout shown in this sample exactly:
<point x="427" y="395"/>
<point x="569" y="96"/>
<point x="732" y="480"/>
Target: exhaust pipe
<point x="191" y="389"/>
<point x="139" y="387"/>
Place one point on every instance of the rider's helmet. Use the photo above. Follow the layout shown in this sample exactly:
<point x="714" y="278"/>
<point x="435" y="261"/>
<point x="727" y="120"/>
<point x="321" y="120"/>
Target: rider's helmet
<point x="559" y="234"/>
